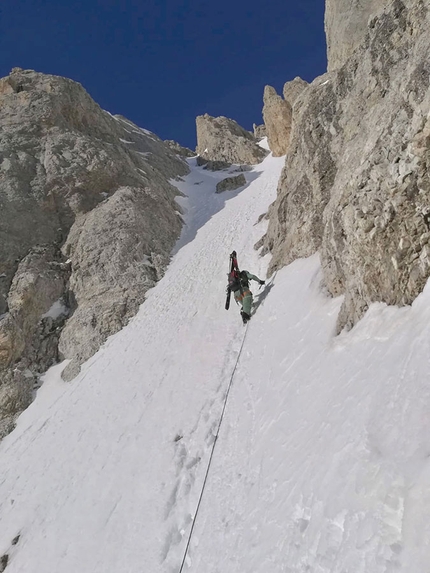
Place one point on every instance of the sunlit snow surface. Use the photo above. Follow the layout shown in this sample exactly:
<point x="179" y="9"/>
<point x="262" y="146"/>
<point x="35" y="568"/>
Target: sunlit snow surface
<point x="322" y="463"/>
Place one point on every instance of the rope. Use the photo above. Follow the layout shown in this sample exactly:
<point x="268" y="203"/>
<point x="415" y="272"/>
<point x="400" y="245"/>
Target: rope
<point x="212" y="453"/>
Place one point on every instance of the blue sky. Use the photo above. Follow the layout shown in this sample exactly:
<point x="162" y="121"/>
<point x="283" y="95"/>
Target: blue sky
<point x="163" y="63"/>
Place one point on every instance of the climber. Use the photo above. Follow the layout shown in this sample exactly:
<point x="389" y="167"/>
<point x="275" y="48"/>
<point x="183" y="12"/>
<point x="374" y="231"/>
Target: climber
<point x="239" y="285"/>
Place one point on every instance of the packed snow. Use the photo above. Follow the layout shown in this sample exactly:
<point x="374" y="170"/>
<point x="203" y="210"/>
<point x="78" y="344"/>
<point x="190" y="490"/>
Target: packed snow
<point x="322" y="459"/>
<point x="57" y="309"/>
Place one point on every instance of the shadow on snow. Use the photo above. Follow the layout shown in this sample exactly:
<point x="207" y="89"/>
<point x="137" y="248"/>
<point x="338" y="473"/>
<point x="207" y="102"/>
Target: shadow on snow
<point x="200" y="202"/>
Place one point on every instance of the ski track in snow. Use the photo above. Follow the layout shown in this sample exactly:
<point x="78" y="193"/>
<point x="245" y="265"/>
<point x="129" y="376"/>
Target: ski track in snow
<point x="322" y="463"/>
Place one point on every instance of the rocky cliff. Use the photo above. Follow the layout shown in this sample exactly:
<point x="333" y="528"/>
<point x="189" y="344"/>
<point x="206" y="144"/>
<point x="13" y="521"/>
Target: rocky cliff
<point x="88" y="216"/>
<point x="87" y="222"/>
<point x="292" y="89"/>
<point x="346" y="24"/>
<point x="222" y="140"/>
<point x="178" y="148"/>
<point x="278" y="114"/>
<point x="356" y="183"/>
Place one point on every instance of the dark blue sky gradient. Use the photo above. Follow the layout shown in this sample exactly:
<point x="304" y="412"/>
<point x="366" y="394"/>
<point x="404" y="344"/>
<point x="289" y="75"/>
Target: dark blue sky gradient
<point x="163" y="63"/>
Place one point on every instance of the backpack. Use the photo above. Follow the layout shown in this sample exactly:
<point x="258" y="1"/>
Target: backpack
<point x="237" y="280"/>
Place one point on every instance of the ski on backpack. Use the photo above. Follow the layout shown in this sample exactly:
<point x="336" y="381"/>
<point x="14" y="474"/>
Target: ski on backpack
<point x="233" y="275"/>
<point x="238" y="284"/>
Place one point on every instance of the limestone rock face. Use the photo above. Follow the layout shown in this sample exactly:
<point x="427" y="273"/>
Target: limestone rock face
<point x="356" y="183"/>
<point x="222" y="139"/>
<point x="130" y="248"/>
<point x="231" y="183"/>
<point x="61" y="158"/>
<point x="28" y="335"/>
<point x="179" y="149"/>
<point x="277" y="115"/>
<point x="345" y="27"/>
<point x="15" y="396"/>
<point x="259" y="131"/>
<point x="212" y="165"/>
<point x="38" y="282"/>
<point x="293" y="89"/>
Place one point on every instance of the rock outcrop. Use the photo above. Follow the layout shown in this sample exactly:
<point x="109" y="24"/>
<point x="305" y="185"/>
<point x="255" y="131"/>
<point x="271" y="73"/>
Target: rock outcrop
<point x="356" y="183"/>
<point x="222" y="139"/>
<point x="128" y="241"/>
<point x="212" y="165"/>
<point x="259" y="131"/>
<point x="277" y="115"/>
<point x="293" y="89"/>
<point x="77" y="183"/>
<point x="179" y="149"/>
<point x="345" y="26"/>
<point x="231" y="183"/>
<point x="39" y="281"/>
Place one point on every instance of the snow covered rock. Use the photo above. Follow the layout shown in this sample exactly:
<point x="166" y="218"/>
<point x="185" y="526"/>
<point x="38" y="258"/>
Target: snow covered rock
<point x="356" y="182"/>
<point x="61" y="157"/>
<point x="222" y="139"/>
<point x="231" y="183"/>
<point x="277" y="114"/>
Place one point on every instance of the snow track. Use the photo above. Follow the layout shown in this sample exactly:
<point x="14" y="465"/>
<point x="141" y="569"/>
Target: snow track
<point x="216" y="436"/>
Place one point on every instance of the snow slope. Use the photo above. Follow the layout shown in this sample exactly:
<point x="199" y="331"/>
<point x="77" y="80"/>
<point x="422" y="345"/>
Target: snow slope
<point x="322" y="459"/>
